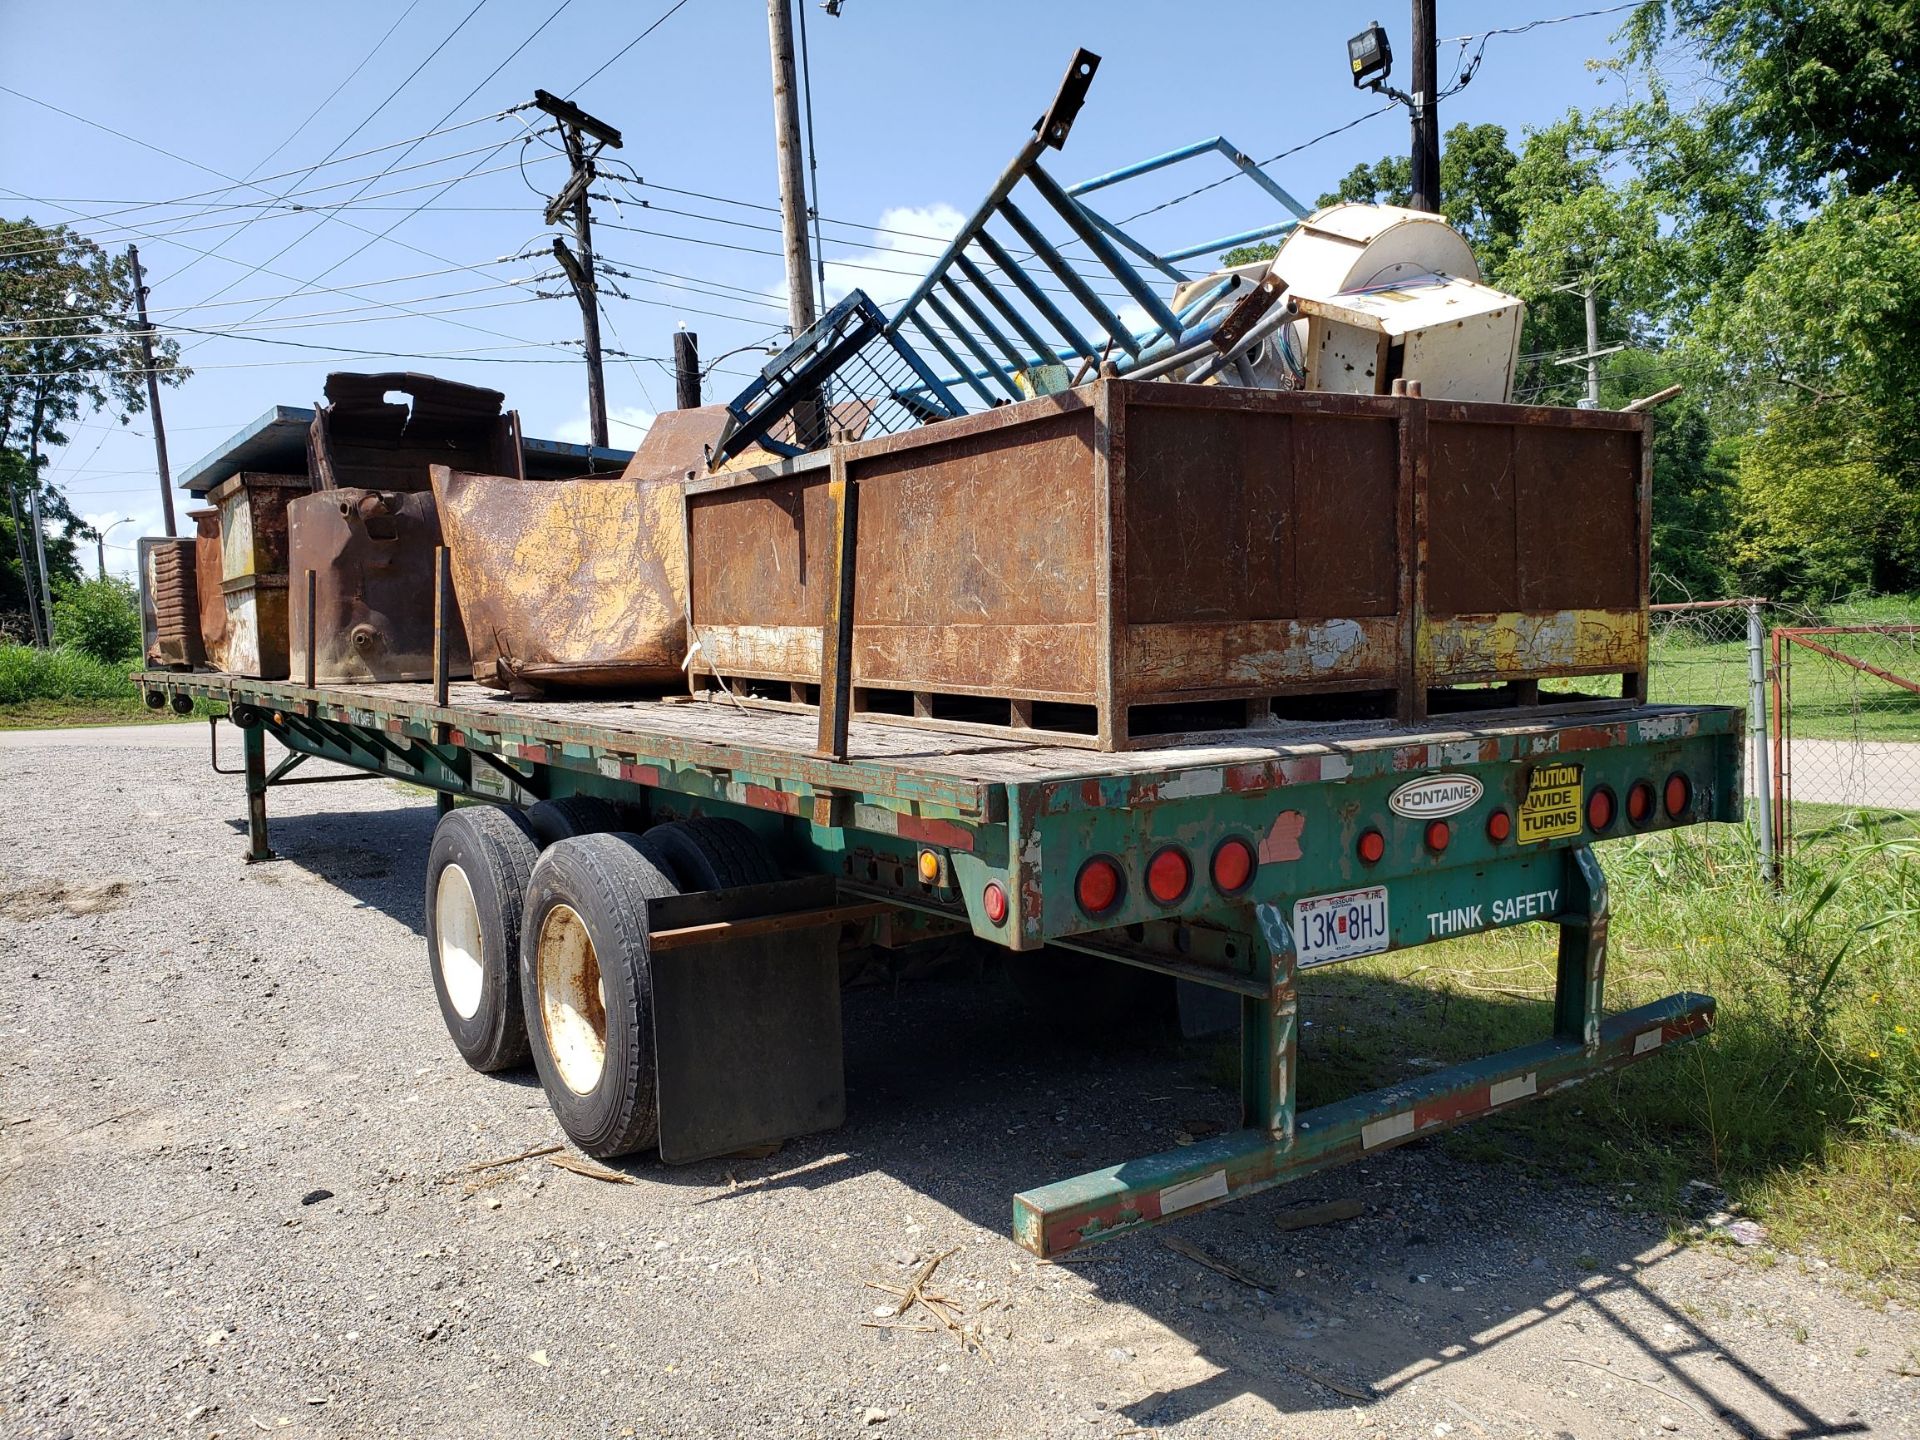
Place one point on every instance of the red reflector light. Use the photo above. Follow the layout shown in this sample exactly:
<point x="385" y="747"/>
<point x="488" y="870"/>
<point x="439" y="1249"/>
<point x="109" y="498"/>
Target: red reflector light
<point x="1679" y="794"/>
<point x="1372" y="846"/>
<point x="1169" y="874"/>
<point x="1640" y="802"/>
<point x="994" y="901"/>
<point x="1099" y="885"/>
<point x="1439" y="836"/>
<point x="1600" y="809"/>
<point x="1233" y="866"/>
<point x="1499" y="826"/>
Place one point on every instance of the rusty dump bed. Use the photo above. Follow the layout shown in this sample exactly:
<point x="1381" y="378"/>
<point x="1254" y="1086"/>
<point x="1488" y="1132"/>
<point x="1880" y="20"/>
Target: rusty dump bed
<point x="772" y="754"/>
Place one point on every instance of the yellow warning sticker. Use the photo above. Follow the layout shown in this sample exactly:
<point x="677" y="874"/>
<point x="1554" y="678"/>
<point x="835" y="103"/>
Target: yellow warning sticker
<point x="1551" y="809"/>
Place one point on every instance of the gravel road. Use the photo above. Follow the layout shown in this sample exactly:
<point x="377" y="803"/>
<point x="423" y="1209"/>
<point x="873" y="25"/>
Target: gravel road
<point x="236" y="1198"/>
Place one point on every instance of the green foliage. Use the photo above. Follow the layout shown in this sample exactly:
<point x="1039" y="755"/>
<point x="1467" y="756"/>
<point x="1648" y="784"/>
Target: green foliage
<point x="28" y="674"/>
<point x="1249" y="254"/>
<point x="100" y="618"/>
<point x="1821" y="88"/>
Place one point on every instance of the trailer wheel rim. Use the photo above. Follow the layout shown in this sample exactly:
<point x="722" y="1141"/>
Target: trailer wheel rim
<point x="463" y="948"/>
<point x="573" y="1003"/>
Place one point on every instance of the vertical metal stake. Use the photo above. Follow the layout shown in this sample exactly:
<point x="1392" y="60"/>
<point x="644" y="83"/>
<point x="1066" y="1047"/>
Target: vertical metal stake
<point x="1270" y="1036"/>
<point x="836" y="658"/>
<point x="313" y="655"/>
<point x="442" y="608"/>
<point x="1757" y="733"/>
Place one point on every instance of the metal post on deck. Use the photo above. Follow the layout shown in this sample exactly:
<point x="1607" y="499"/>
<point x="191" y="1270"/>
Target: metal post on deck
<point x="1757" y="733"/>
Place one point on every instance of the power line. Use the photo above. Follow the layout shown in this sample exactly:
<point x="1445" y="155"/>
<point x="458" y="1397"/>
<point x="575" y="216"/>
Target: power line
<point x="671" y="11"/>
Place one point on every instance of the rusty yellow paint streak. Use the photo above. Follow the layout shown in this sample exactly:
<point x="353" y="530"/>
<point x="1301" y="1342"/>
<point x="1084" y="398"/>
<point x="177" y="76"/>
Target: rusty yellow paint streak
<point x="1519" y="645"/>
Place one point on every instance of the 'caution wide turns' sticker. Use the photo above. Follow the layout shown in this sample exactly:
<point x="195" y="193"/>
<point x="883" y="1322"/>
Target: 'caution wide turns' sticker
<point x="1551" y="810"/>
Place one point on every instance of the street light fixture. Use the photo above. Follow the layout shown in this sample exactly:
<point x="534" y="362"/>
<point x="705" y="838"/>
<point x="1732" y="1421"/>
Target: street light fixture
<point x="100" y="543"/>
<point x="1371" y="57"/>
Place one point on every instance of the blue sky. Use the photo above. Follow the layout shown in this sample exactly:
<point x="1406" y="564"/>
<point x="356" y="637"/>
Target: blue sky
<point x="917" y="108"/>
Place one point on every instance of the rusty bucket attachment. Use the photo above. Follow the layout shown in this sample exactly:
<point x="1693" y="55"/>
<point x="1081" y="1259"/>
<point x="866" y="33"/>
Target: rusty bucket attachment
<point x="381" y="432"/>
<point x="568" y="583"/>
<point x="371" y="556"/>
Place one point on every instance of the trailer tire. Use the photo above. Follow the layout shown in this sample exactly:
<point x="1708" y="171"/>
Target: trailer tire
<point x="563" y="819"/>
<point x="586" y="978"/>
<point x="709" y="852"/>
<point x="477" y="872"/>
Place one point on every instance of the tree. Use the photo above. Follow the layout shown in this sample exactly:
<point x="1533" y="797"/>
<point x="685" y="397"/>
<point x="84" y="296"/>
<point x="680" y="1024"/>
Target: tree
<point x="68" y="347"/>
<point x="1819" y="88"/>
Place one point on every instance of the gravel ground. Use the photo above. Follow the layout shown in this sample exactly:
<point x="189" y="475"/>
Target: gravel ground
<point x="232" y="1140"/>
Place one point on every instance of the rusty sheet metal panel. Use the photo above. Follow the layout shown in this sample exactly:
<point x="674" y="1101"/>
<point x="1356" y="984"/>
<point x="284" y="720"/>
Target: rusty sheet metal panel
<point x="253" y="522"/>
<point x="362" y="439"/>
<point x="977" y="568"/>
<point x="207" y="577"/>
<point x="371" y="552"/>
<point x="1536" y="544"/>
<point x="676" y="444"/>
<point x="568" y="583"/>
<point x="170" y="602"/>
<point x="256" y="637"/>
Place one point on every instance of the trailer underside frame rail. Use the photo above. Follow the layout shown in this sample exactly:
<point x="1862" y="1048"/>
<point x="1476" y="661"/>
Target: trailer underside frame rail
<point x="858" y="835"/>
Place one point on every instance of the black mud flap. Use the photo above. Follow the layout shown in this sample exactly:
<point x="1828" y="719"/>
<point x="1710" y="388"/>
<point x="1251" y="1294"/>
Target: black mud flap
<point x="746" y="1029"/>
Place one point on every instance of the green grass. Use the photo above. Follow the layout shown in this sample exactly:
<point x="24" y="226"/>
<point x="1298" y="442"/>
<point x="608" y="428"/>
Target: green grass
<point x="46" y="689"/>
<point x="1830" y="700"/>
<point x="1803" y="1102"/>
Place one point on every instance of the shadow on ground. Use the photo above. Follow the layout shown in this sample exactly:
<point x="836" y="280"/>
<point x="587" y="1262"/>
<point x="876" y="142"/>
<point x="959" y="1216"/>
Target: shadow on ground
<point x="958" y="1091"/>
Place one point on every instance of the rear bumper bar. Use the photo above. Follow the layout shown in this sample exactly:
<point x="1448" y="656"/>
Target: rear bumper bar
<point x="1057" y="1218"/>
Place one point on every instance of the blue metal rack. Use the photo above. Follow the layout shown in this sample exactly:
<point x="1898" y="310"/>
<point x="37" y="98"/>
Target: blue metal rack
<point x="1006" y="314"/>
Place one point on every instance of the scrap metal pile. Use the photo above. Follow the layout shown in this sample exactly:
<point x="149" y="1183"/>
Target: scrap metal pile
<point x="1070" y="486"/>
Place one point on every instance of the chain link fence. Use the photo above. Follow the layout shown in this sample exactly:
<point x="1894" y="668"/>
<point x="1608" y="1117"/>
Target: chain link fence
<point x="1832" y="700"/>
<point x="1846" y="728"/>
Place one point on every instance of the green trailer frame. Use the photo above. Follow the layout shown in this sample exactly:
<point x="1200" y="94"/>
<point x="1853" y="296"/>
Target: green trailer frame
<point x="915" y="831"/>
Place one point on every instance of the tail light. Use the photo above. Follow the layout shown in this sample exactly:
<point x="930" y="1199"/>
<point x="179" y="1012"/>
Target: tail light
<point x="1679" y="794"/>
<point x="1372" y="847"/>
<point x="1439" y="836"/>
<point x="1499" y="827"/>
<point x="994" y="901"/>
<point x="1600" y="809"/>
<point x="1099" y="887"/>
<point x="1169" y="875"/>
<point x="1233" y="866"/>
<point x="1640" y="802"/>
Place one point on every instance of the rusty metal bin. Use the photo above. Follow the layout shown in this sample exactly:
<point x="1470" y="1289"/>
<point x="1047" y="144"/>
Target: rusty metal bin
<point x="371" y="553"/>
<point x="256" y="638"/>
<point x="568" y="583"/>
<point x="1129" y="562"/>
<point x="253" y="521"/>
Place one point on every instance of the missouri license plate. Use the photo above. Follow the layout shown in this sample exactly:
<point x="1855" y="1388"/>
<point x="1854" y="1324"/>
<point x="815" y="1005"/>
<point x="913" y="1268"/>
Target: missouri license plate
<point x="1339" y="927"/>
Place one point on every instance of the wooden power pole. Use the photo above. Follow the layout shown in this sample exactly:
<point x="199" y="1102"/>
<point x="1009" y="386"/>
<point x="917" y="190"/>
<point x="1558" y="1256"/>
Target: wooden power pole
<point x="793" y="185"/>
<point x="153" y="388"/>
<point x="576" y="129"/>
<point x="686" y="369"/>
<point x="1426" y="109"/>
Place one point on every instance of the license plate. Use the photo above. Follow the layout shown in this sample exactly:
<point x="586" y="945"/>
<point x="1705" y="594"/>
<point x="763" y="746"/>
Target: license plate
<point x="1339" y="927"/>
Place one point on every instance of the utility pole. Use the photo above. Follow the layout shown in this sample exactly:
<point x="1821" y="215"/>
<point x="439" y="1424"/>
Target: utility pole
<point x="153" y="388"/>
<point x="686" y="369"/>
<point x="1426" y="109"/>
<point x="1593" y="347"/>
<point x="793" y="185"/>
<point x="33" y="510"/>
<point x="576" y="128"/>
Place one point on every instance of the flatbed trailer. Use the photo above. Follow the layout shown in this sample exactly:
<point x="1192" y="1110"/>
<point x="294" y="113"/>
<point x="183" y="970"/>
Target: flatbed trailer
<point x="1233" y="862"/>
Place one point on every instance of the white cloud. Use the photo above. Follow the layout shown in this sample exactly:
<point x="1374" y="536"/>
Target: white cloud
<point x="626" y="426"/>
<point x="890" y="270"/>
